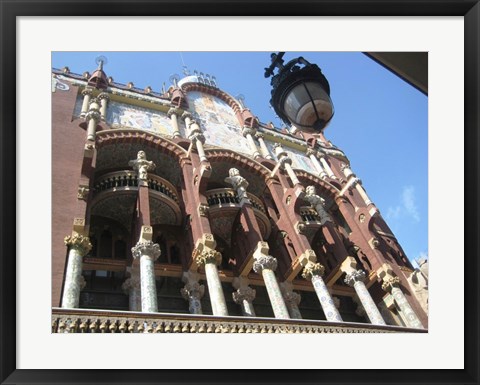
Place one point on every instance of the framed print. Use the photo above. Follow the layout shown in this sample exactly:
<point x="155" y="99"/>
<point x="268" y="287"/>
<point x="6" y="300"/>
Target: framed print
<point x="222" y="243"/>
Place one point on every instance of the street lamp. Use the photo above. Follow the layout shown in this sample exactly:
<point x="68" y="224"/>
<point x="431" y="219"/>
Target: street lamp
<point x="300" y="93"/>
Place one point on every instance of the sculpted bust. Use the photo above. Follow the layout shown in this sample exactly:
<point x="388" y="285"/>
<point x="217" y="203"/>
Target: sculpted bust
<point x="317" y="202"/>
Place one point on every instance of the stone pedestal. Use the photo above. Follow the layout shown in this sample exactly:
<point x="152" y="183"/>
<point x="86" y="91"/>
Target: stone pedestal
<point x="79" y="246"/>
<point x="266" y="265"/>
<point x="314" y="271"/>
<point x="147" y="252"/>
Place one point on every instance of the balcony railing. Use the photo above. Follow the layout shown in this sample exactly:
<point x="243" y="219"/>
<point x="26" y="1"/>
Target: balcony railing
<point x="228" y="196"/>
<point x="309" y="215"/>
<point x="128" y="180"/>
<point x="101" y="321"/>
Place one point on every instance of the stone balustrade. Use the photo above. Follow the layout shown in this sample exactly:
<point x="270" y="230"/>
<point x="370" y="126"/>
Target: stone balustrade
<point x="100" y="321"/>
<point x="228" y="196"/>
<point x="128" y="180"/>
<point x="309" y="215"/>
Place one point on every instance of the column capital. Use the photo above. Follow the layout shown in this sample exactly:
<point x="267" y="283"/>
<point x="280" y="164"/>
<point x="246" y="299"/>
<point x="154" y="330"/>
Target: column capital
<point x="207" y="256"/>
<point x="78" y="242"/>
<point x="311" y="151"/>
<point x="354" y="276"/>
<point x="192" y="289"/>
<point x="289" y="295"/>
<point x="131" y="283"/>
<point x="312" y="269"/>
<point x="248" y="131"/>
<point x="173" y="111"/>
<point x="244" y="293"/>
<point x="103" y="95"/>
<point x="142" y="165"/>
<point x="390" y="282"/>
<point x="149" y="249"/>
<point x="93" y="114"/>
<point x="259" y="135"/>
<point x="285" y="160"/>
<point x="197" y="136"/>
<point x="262" y="262"/>
<point x="87" y="91"/>
<point x="186" y="115"/>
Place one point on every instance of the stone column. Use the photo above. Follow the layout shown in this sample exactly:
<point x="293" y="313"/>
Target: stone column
<point x="92" y="117"/>
<point x="104" y="98"/>
<point x="355" y="279"/>
<point x="79" y="246"/>
<point x="131" y="287"/>
<point x="266" y="264"/>
<point x="318" y="167"/>
<point x="197" y="138"/>
<point x="248" y="133"/>
<point x="239" y="184"/>
<point x="210" y="259"/>
<point x="292" y="299"/>
<point x="263" y="146"/>
<point x="192" y="292"/>
<point x="147" y="252"/>
<point x="391" y="284"/>
<point x="363" y="193"/>
<point x="314" y="271"/>
<point x="286" y="162"/>
<point x="326" y="166"/>
<point x="244" y="296"/>
<point x="173" y="115"/>
<point x="87" y="94"/>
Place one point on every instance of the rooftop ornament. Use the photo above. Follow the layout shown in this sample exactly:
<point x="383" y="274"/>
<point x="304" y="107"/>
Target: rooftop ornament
<point x="300" y="93"/>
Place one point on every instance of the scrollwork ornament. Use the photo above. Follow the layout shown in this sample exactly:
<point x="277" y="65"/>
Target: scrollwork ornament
<point x="355" y="276"/>
<point x="264" y="262"/>
<point x="312" y="269"/>
<point x="244" y="294"/>
<point x="209" y="256"/>
<point x="390" y="282"/>
<point x="78" y="242"/>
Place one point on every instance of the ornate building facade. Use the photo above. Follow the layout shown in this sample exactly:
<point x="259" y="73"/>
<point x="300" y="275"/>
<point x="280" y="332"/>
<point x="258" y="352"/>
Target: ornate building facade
<point x="181" y="212"/>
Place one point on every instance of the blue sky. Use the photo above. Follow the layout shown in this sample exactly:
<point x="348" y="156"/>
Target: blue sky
<point x="380" y="122"/>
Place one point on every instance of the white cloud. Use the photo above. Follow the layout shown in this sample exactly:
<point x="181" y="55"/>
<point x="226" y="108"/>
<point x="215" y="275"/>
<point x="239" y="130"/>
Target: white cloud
<point x="407" y="208"/>
<point x="408" y="199"/>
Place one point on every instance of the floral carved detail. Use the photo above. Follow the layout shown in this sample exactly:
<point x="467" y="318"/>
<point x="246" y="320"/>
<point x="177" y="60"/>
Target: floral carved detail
<point x="192" y="290"/>
<point x="82" y="192"/>
<point x="78" y="242"/>
<point x="245" y="293"/>
<point x="312" y="269"/>
<point x="173" y="111"/>
<point x="389" y="282"/>
<point x="208" y="256"/>
<point x="354" y="276"/>
<point x="264" y="262"/>
<point x="149" y="249"/>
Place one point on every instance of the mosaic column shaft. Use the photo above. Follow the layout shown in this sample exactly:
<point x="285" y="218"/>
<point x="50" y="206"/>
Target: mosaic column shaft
<point x="405" y="307"/>
<point x="210" y="258"/>
<point x="217" y="299"/>
<point x="263" y="146"/>
<point x="172" y="114"/>
<point x="266" y="264"/>
<point x="147" y="252"/>
<point x="104" y="98"/>
<point x="314" y="272"/>
<point x="292" y="300"/>
<point x="355" y="278"/>
<point x="87" y="94"/>
<point x="327" y="168"/>
<point x="74" y="282"/>
<point x="132" y="288"/>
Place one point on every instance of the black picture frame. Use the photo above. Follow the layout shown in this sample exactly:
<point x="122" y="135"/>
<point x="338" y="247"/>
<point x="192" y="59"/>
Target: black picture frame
<point x="9" y="10"/>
